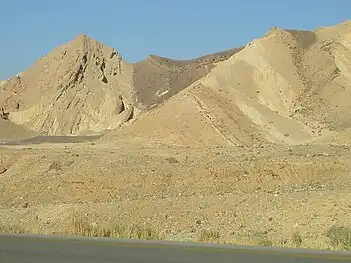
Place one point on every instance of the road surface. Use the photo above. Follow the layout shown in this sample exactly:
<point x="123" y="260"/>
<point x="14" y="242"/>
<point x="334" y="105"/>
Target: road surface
<point x="59" y="249"/>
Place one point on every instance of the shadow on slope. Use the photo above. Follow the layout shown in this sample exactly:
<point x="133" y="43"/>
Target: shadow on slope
<point x="157" y="78"/>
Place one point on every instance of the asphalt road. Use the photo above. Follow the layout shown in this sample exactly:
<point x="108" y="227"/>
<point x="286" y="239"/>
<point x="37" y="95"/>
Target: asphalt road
<point x="58" y="249"/>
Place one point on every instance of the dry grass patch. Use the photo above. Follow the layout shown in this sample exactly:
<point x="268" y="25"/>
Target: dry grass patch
<point x="340" y="237"/>
<point x="209" y="236"/>
<point x="12" y="229"/>
<point x="81" y="228"/>
<point x="297" y="239"/>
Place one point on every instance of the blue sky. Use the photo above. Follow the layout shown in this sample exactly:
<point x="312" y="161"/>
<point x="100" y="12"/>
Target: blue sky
<point x="136" y="28"/>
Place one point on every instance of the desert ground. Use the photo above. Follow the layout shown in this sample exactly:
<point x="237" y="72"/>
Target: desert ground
<point x="245" y="146"/>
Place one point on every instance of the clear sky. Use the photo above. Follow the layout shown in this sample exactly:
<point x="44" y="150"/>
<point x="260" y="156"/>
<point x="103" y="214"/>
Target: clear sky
<point x="136" y="28"/>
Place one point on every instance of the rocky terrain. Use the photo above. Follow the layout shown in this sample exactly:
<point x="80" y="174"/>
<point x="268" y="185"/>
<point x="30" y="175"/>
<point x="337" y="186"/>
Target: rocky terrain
<point x="249" y="145"/>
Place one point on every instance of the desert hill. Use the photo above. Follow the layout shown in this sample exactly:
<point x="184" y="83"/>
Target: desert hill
<point x="79" y="87"/>
<point x="288" y="87"/>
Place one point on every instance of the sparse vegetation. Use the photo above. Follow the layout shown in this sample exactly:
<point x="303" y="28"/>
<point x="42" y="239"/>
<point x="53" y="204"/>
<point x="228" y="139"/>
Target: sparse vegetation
<point x="82" y="228"/>
<point x="297" y="239"/>
<point x="209" y="236"/>
<point x="265" y="242"/>
<point x="12" y="229"/>
<point x="340" y="237"/>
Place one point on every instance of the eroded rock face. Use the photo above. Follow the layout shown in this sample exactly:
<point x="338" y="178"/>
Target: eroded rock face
<point x="80" y="86"/>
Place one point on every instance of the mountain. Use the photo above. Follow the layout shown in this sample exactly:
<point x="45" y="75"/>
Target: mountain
<point x="288" y="87"/>
<point x="82" y="86"/>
